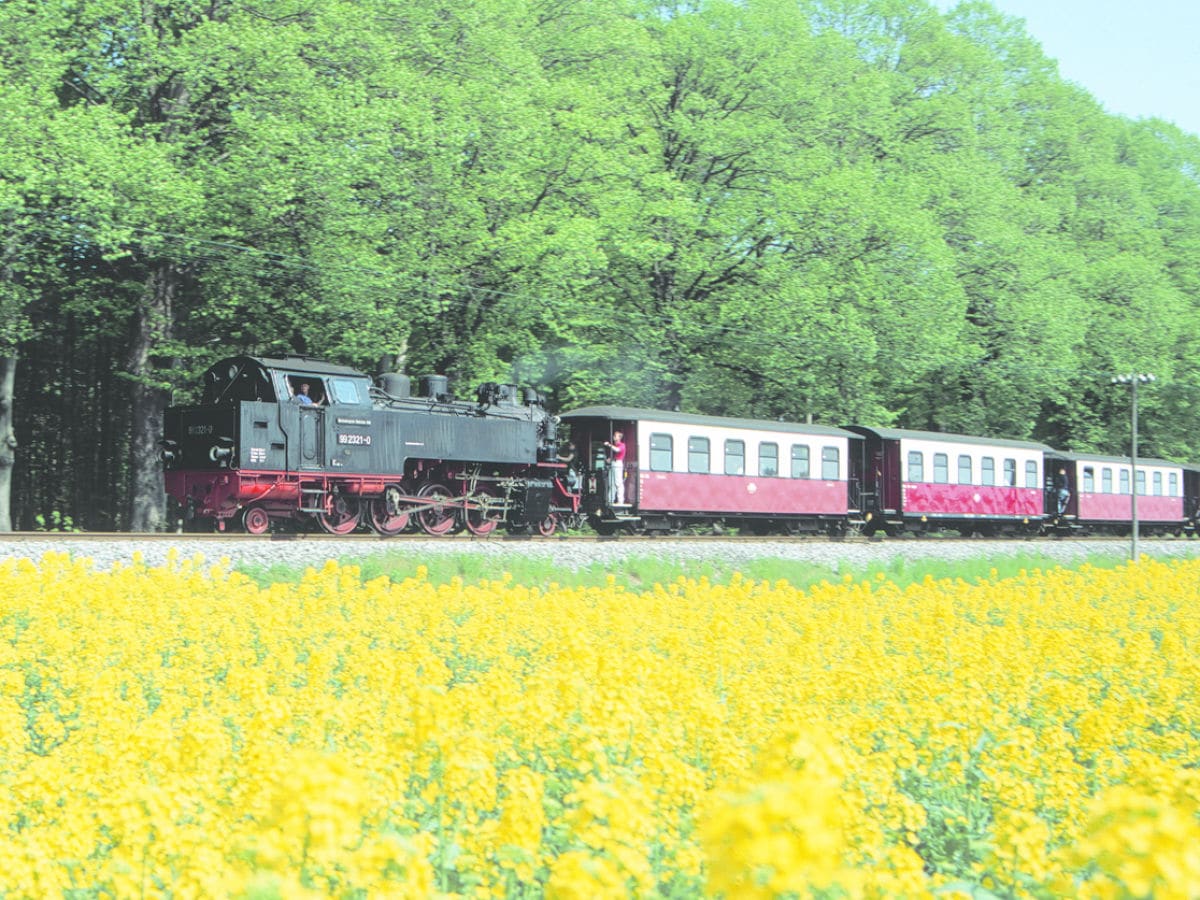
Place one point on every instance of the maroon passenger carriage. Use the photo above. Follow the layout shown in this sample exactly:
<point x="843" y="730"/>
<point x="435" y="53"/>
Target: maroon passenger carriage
<point x="922" y="480"/>
<point x="683" y="469"/>
<point x="1101" y="493"/>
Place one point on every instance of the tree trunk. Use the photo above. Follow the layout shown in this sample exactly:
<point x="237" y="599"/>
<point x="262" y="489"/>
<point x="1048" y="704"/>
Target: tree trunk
<point x="153" y="322"/>
<point x="8" y="439"/>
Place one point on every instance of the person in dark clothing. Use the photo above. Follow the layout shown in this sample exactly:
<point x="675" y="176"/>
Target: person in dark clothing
<point x="1062" y="489"/>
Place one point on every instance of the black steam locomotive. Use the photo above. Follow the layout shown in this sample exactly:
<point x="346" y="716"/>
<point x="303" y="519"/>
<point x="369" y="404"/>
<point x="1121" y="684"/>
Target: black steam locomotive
<point x="293" y="440"/>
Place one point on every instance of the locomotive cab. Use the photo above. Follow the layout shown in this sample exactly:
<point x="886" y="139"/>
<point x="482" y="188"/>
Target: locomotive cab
<point x="250" y="435"/>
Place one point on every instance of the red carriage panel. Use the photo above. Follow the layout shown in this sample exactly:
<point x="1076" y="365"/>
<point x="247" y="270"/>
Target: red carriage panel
<point x="1119" y="508"/>
<point x="971" y="500"/>
<point x="684" y="492"/>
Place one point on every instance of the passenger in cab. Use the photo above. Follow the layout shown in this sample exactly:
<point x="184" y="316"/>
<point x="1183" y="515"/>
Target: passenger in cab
<point x="567" y="455"/>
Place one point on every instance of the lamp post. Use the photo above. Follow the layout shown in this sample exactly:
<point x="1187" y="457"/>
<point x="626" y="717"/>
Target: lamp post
<point x="1133" y="380"/>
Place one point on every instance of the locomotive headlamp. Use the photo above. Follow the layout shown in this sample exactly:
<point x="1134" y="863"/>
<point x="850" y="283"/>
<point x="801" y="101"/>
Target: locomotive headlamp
<point x="218" y="453"/>
<point x="168" y="451"/>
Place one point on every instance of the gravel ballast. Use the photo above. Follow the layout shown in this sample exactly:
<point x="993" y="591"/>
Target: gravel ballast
<point x="579" y="553"/>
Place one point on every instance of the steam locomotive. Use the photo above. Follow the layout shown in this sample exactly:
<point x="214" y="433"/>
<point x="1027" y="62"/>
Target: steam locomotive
<point x="293" y="441"/>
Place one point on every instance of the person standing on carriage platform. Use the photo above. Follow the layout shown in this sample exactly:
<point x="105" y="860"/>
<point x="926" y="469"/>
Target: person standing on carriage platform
<point x="1062" y="489"/>
<point x="616" y="469"/>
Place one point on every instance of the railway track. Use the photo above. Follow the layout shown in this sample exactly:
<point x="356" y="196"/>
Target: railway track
<point x="85" y="537"/>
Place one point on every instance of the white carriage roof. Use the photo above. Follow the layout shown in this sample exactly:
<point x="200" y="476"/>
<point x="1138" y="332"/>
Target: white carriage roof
<point x="1101" y="458"/>
<point x="899" y="434"/>
<point x="631" y="414"/>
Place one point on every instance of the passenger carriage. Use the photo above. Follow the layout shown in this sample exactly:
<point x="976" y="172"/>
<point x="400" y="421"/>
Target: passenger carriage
<point x="921" y="480"/>
<point x="1102" y="493"/>
<point x="683" y="469"/>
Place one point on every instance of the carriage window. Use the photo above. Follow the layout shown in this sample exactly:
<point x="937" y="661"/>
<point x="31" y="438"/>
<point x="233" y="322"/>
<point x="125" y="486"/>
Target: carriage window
<point x="966" y="473"/>
<point x="1173" y="485"/>
<point x="1031" y="476"/>
<point x="1158" y="484"/>
<point x="987" y="470"/>
<point x="1106" y="486"/>
<point x="1124" y="481"/>
<point x="1089" y="480"/>
<point x="799" y="461"/>
<point x="662" y="457"/>
<point x="768" y="460"/>
<point x="698" y="454"/>
<point x="1141" y="482"/>
<point x="831" y="463"/>
<point x="1010" y="473"/>
<point x="735" y="457"/>
<point x="941" y="468"/>
<point x="916" y="465"/>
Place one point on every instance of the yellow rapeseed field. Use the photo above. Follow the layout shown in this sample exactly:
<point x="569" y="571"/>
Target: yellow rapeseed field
<point x="180" y="732"/>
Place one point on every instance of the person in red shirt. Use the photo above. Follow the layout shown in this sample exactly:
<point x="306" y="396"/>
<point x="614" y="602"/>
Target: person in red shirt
<point x="616" y="460"/>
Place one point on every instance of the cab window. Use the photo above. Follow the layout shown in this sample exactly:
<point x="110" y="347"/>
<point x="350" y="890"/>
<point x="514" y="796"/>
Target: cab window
<point x="345" y="390"/>
<point x="315" y="388"/>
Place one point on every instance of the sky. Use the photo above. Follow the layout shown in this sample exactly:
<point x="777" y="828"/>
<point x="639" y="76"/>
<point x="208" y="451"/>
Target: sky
<point x="1139" y="58"/>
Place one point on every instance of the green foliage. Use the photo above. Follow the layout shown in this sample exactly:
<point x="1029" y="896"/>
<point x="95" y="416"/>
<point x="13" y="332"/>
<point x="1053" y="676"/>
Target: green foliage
<point x="860" y="210"/>
<point x="56" y="521"/>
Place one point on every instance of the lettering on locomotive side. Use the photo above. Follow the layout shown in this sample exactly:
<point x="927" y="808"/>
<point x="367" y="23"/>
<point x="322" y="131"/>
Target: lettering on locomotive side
<point x="357" y="440"/>
<point x="199" y="429"/>
<point x="342" y="421"/>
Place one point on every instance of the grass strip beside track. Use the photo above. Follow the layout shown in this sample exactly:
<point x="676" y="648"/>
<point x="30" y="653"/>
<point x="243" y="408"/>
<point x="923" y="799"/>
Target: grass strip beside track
<point x="642" y="572"/>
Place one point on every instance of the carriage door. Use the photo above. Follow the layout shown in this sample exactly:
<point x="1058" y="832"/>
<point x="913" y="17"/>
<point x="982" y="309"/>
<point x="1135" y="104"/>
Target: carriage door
<point x="312" y="437"/>
<point x="860" y="494"/>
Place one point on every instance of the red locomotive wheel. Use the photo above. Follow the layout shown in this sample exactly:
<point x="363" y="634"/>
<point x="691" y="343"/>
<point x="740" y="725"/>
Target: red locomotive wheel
<point x="439" y="517"/>
<point x="383" y="516"/>
<point x="548" y="525"/>
<point x="255" y="520"/>
<point x="483" y="520"/>
<point x="343" y="518"/>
